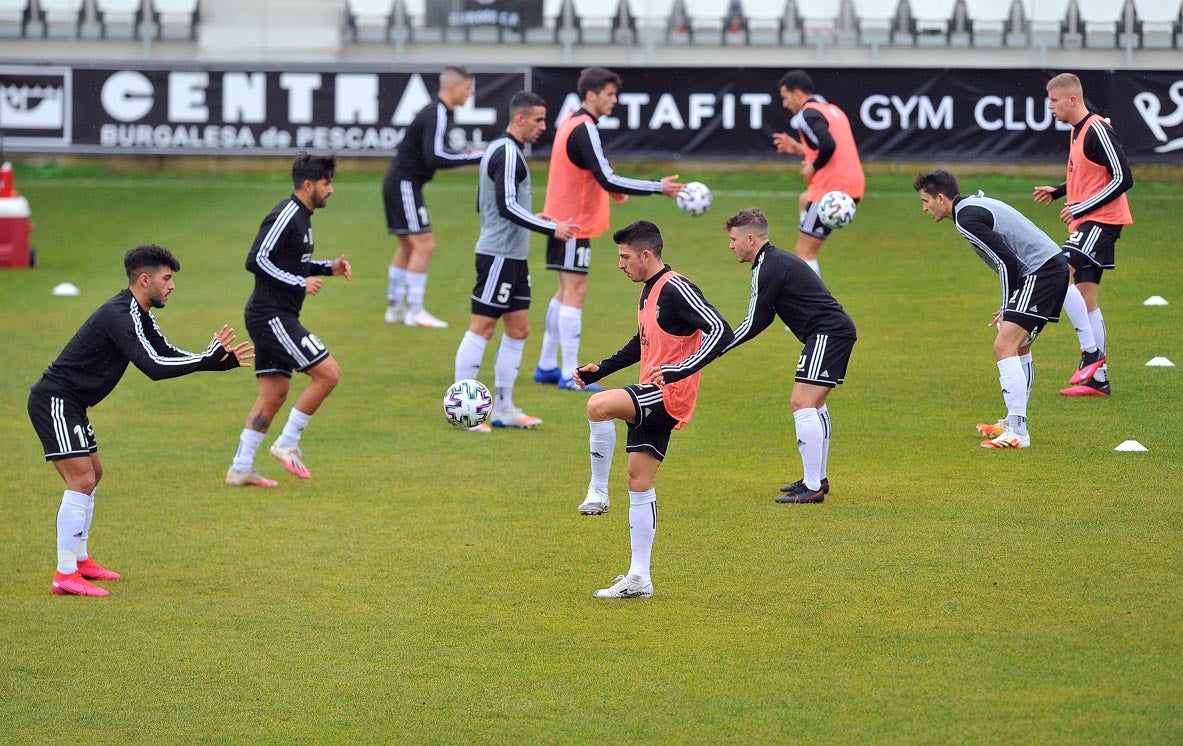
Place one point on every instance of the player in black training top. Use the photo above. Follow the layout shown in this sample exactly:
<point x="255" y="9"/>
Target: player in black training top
<point x="281" y="260"/>
<point x="784" y="285"/>
<point x="423" y="150"/>
<point x="123" y="330"/>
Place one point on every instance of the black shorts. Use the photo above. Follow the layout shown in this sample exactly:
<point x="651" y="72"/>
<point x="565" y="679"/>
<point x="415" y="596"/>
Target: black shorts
<point x="1039" y="297"/>
<point x="573" y="255"/>
<point x="1091" y="247"/>
<point x="406" y="214"/>
<point x="824" y="359"/>
<point x="502" y="285"/>
<point x="62" y="426"/>
<point x="282" y="345"/>
<point x="651" y="431"/>
<point x="811" y="225"/>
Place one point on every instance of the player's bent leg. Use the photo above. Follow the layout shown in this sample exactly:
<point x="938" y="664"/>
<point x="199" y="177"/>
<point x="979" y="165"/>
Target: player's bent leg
<point x="613" y="404"/>
<point x="325" y="376"/>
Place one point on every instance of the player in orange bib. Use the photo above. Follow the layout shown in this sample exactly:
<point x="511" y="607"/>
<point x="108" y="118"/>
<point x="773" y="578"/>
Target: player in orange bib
<point x="1096" y="209"/>
<point x="830" y="157"/>
<point x="678" y="332"/>
<point x="580" y="187"/>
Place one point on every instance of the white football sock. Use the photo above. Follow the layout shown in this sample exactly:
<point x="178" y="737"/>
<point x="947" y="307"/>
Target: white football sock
<point x="396" y="285"/>
<point x="1097" y="322"/>
<point x="809" y="442"/>
<point x="570" y="327"/>
<point x="71" y="525"/>
<point x="290" y="437"/>
<point x="1078" y="314"/>
<point x="1014" y="393"/>
<point x="82" y="551"/>
<point x="506" y="363"/>
<point x="603" y="444"/>
<point x="248" y="443"/>
<point x="823" y="414"/>
<point x="817" y="270"/>
<point x="1028" y="371"/>
<point x="548" y="359"/>
<point x="416" y="289"/>
<point x="642" y="527"/>
<point x="469" y="355"/>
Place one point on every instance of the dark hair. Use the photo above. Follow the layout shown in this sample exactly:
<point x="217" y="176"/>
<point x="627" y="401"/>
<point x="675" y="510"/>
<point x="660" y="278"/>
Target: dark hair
<point x="524" y="100"/>
<point x="148" y="257"/>
<point x="594" y="79"/>
<point x="312" y="168"/>
<point x="751" y="218"/>
<point x="937" y="182"/>
<point x="456" y="72"/>
<point x="797" y="80"/>
<point x="640" y="235"/>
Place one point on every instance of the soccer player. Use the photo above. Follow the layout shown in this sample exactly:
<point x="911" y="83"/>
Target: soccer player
<point x="281" y="260"/>
<point x="1034" y="277"/>
<point x="580" y="186"/>
<point x="1096" y="209"/>
<point x="423" y="150"/>
<point x="672" y="347"/>
<point x="784" y="285"/>
<point x="122" y="330"/>
<point x="502" y="287"/>
<point x="831" y="161"/>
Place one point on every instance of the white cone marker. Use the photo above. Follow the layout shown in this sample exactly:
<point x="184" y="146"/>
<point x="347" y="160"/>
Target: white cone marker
<point x="1159" y="362"/>
<point x="1155" y="300"/>
<point x="66" y="288"/>
<point x="1131" y="445"/>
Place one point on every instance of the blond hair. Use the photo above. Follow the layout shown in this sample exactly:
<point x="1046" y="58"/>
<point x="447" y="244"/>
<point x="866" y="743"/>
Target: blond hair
<point x="1066" y="82"/>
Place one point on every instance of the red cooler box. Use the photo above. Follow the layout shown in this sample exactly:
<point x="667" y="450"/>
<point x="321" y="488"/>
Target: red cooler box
<point x="14" y="232"/>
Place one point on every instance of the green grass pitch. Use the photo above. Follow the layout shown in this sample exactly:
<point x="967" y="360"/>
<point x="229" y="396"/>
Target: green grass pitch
<point x="434" y="586"/>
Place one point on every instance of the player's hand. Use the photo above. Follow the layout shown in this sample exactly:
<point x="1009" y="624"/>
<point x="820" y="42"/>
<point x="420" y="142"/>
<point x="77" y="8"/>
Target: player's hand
<point x="807" y="172"/>
<point x="589" y="368"/>
<point x="225" y="336"/>
<point x="671" y="187"/>
<point x="565" y="230"/>
<point x="341" y="267"/>
<point x="312" y="285"/>
<point x="997" y="318"/>
<point x="1043" y="195"/>
<point x="786" y="144"/>
<point x="244" y="352"/>
<point x="1066" y="214"/>
<point x="654" y="374"/>
<point x="618" y="198"/>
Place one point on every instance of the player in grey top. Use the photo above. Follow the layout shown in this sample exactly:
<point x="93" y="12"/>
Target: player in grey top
<point x="502" y="288"/>
<point x="1034" y="277"/>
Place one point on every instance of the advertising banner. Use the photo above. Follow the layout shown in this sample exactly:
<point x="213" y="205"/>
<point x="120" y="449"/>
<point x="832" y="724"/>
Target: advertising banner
<point x="224" y="110"/>
<point x="897" y="114"/>
<point x="665" y="113"/>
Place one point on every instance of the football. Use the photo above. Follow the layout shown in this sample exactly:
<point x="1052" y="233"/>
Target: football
<point x="695" y="199"/>
<point x="836" y="209"/>
<point x="467" y="403"/>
